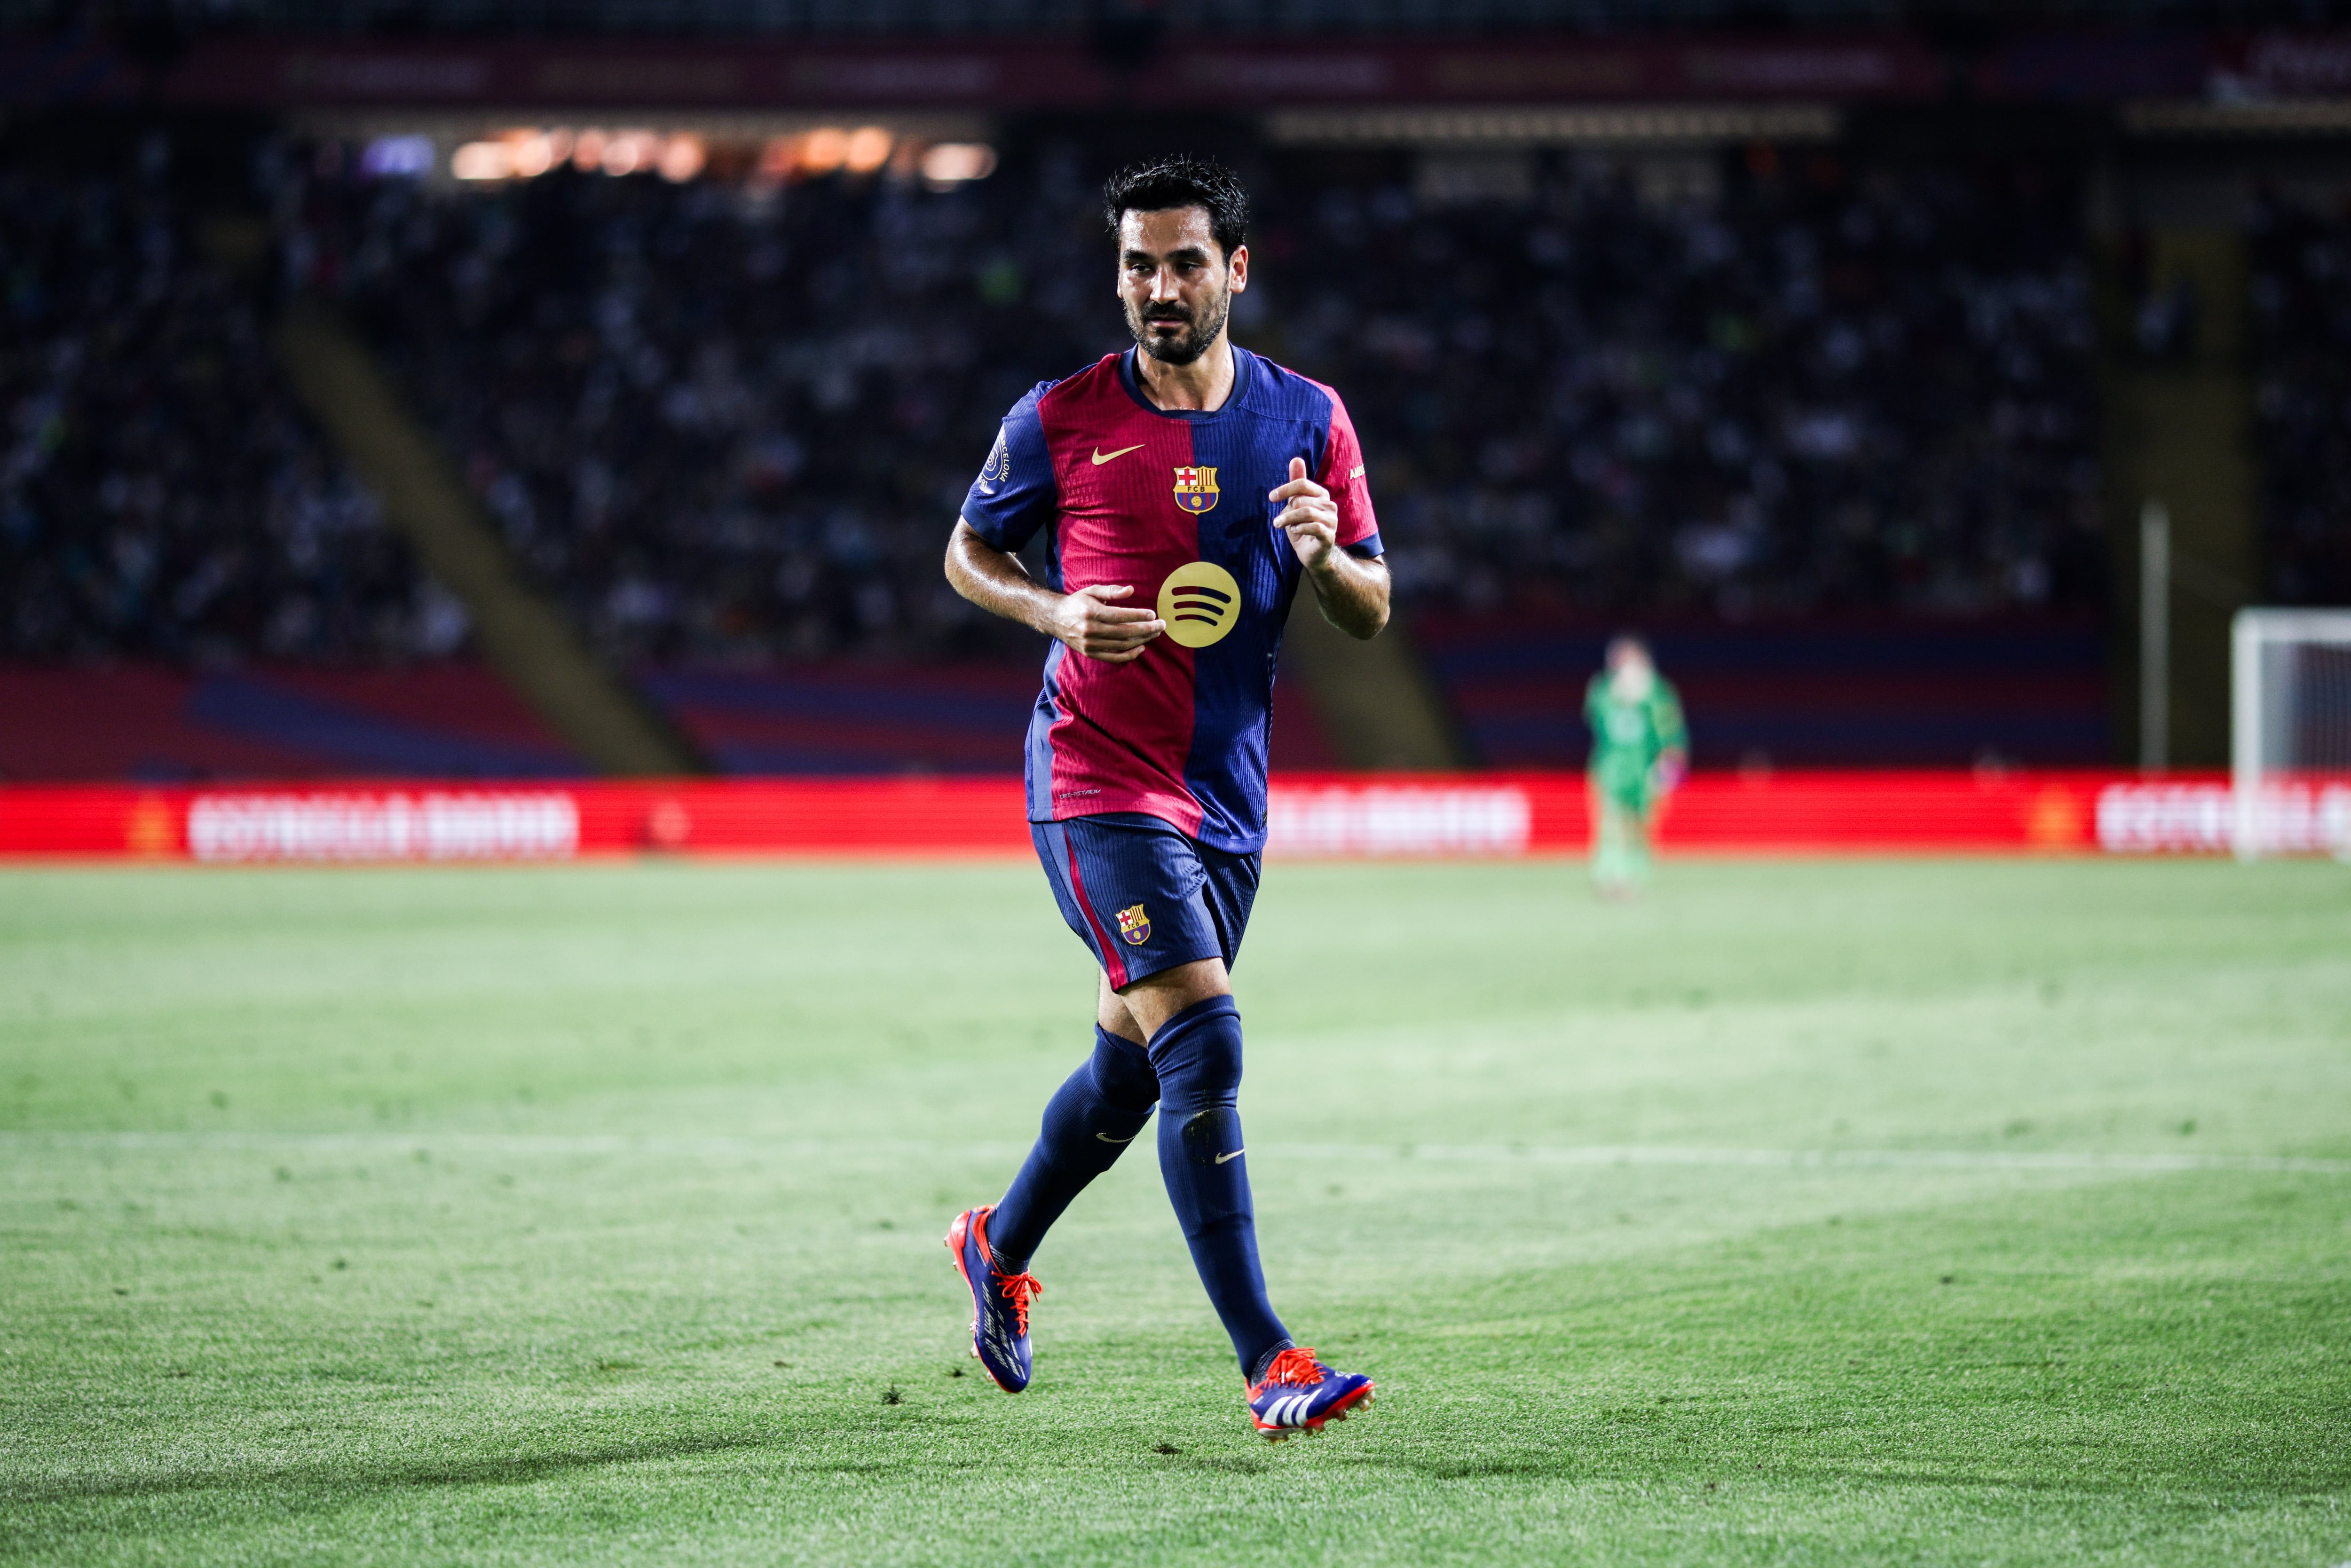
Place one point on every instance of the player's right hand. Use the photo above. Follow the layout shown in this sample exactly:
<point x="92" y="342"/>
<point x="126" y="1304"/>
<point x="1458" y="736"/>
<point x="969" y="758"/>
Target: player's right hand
<point x="1092" y="622"/>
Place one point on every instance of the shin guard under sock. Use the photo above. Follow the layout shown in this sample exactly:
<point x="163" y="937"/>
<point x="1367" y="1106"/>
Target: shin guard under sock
<point x="1088" y="1124"/>
<point x="1198" y="1056"/>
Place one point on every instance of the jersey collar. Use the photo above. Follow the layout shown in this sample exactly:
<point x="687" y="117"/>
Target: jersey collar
<point x="1244" y="369"/>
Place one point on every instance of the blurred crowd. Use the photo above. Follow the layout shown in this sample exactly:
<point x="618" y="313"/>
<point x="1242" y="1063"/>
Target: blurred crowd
<point x="1759" y="386"/>
<point x="734" y="420"/>
<point x="725" y="421"/>
<point x="2302" y="334"/>
<point x="160" y="494"/>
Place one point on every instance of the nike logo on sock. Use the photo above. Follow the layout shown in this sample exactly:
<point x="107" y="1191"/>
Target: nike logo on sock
<point x="1220" y="1158"/>
<point x="1106" y="1138"/>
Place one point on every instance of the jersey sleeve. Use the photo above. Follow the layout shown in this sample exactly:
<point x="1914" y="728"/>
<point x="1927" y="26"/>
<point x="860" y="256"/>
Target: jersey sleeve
<point x="1016" y="493"/>
<point x="1342" y="475"/>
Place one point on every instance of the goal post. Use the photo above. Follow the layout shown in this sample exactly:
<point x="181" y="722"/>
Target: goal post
<point x="2290" y="732"/>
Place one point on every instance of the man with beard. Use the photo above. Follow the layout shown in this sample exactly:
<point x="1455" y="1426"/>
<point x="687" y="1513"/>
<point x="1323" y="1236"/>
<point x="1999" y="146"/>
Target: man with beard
<point x="1186" y="486"/>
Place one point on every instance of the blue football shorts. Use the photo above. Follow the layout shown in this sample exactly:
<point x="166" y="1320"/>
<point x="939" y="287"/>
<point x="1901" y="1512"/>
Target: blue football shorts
<point x="1142" y="897"/>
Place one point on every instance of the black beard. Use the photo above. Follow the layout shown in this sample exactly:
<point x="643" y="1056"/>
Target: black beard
<point x="1187" y="347"/>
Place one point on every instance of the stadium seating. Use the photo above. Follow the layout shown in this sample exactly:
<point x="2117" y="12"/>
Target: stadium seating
<point x="1756" y="405"/>
<point x="153" y="723"/>
<point x="1877" y="690"/>
<point x="161" y="497"/>
<point x="2301" y="259"/>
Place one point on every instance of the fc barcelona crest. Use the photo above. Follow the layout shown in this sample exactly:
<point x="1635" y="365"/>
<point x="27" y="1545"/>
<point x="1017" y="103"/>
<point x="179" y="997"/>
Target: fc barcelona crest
<point x="1196" y="488"/>
<point x="1133" y="924"/>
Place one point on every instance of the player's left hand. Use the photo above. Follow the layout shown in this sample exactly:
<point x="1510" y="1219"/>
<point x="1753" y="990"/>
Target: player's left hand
<point x="1312" y="518"/>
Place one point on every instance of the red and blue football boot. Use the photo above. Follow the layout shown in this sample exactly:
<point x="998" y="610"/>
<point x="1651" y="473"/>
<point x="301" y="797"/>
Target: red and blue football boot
<point x="1298" y="1394"/>
<point x="999" y="1302"/>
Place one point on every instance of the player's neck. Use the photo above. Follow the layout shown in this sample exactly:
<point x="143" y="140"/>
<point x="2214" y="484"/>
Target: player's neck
<point x="1200" y="387"/>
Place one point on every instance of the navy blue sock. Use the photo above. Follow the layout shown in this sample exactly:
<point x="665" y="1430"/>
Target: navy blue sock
<point x="1198" y="1055"/>
<point x="1088" y="1124"/>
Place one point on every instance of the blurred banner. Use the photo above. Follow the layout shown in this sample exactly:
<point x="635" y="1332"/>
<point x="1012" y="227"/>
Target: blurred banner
<point x="1044" y="73"/>
<point x="1060" y="72"/>
<point x="1246" y="74"/>
<point x="1313" y="816"/>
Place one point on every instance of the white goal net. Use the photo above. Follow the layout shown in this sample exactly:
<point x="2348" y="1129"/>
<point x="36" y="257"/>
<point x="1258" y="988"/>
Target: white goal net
<point x="2290" y="715"/>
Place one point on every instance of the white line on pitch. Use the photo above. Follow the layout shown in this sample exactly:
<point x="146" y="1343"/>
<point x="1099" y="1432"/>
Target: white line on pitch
<point x="545" y="1143"/>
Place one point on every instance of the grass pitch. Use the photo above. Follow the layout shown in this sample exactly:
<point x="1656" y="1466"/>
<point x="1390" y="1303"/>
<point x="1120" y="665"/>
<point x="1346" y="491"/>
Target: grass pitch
<point x="1963" y="1212"/>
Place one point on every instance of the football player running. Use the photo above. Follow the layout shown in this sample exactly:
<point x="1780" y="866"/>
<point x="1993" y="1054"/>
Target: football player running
<point x="1640" y="749"/>
<point x="1186" y="489"/>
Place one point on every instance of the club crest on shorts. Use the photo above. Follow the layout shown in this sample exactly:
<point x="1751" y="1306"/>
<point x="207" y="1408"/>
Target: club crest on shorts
<point x="1195" y="489"/>
<point x="1135" y="925"/>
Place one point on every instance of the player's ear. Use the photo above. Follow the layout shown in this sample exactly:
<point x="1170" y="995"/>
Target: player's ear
<point x="1238" y="267"/>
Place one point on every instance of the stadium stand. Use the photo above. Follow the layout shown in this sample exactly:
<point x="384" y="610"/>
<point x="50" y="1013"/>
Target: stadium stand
<point x="2302" y="334"/>
<point x="727" y="422"/>
<point x="1797" y="693"/>
<point x="1783" y="389"/>
<point x="161" y="496"/>
<point x="157" y="724"/>
<point x="723" y="421"/>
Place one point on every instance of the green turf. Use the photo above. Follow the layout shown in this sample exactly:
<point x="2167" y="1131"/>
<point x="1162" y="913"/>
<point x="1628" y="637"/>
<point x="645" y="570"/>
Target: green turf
<point x="591" y="1216"/>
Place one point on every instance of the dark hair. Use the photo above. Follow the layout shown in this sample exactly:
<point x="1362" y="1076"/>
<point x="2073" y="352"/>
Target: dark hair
<point x="1181" y="182"/>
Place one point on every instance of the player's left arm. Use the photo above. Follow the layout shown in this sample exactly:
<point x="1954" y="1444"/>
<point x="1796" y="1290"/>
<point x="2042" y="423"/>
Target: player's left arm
<point x="1672" y="737"/>
<point x="1351" y="589"/>
<point x="1328" y="516"/>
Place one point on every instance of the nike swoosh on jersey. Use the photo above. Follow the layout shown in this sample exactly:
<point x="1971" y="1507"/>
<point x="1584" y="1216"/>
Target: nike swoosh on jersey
<point x="1220" y="1158"/>
<point x="1102" y="458"/>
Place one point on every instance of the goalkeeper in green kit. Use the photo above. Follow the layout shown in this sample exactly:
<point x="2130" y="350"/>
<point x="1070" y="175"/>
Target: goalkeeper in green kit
<point x="1639" y="751"/>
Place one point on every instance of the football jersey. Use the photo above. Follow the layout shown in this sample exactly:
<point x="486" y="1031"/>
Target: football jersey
<point x="1172" y="502"/>
<point x="1628" y="736"/>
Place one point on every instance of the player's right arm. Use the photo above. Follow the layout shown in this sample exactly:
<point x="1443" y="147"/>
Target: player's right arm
<point x="1091" y="620"/>
<point x="1015" y="495"/>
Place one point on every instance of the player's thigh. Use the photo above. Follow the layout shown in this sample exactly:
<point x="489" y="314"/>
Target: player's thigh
<point x="1131" y="888"/>
<point x="1153" y="999"/>
<point x="1229" y="892"/>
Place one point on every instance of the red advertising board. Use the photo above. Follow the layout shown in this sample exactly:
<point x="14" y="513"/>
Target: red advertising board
<point x="1312" y="816"/>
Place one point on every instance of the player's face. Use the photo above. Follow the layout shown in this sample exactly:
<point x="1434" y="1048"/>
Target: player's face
<point x="1177" y="282"/>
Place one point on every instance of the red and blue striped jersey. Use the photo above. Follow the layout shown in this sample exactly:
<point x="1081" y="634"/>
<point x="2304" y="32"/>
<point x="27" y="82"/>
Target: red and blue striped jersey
<point x="1173" y="503"/>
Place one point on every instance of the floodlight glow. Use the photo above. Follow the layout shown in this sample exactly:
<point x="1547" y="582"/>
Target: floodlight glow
<point x="389" y="157"/>
<point x="483" y="161"/>
<point x="954" y="163"/>
<point x="629" y="152"/>
<point x="868" y="149"/>
<point x="823" y="150"/>
<point x="534" y="153"/>
<point x="681" y="157"/>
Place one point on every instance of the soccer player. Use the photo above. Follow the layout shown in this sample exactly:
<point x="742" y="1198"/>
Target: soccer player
<point x="1187" y="487"/>
<point x="1639" y="752"/>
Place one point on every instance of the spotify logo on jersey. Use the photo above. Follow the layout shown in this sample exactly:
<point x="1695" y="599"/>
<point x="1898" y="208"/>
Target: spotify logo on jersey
<point x="1199" y="601"/>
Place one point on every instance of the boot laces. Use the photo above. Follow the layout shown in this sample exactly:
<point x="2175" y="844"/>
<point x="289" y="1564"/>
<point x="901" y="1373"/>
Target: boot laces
<point x="1018" y="1288"/>
<point x="1295" y="1365"/>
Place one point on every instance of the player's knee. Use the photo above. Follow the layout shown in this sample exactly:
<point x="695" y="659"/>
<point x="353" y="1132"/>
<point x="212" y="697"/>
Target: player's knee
<point x="1198" y="1053"/>
<point x="1121" y="1073"/>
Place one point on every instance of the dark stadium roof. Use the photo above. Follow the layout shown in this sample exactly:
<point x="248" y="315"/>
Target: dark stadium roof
<point x="1131" y="22"/>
